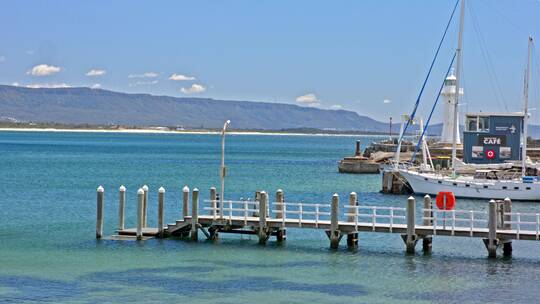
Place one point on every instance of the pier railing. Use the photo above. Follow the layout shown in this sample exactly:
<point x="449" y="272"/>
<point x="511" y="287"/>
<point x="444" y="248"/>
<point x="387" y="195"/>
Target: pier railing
<point x="375" y="215"/>
<point x="455" y="220"/>
<point x="498" y="225"/>
<point x="518" y="220"/>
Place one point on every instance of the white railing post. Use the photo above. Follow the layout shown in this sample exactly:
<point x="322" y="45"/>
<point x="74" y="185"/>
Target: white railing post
<point x="300" y="211"/>
<point x="518" y="215"/>
<point x="391" y="219"/>
<point x="213" y="202"/>
<point x="284" y="215"/>
<point x="435" y="220"/>
<point x="230" y="210"/>
<point x="472" y="222"/>
<point x="317" y="215"/>
<point x="453" y="221"/>
<point x="537" y="225"/>
<point x="373" y="217"/>
<point x="246" y="206"/>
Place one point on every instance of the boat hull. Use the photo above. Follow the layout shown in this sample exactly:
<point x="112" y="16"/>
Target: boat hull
<point x="485" y="189"/>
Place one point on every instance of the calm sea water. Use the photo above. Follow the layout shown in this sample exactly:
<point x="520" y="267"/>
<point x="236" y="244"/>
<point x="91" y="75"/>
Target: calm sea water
<point x="48" y="252"/>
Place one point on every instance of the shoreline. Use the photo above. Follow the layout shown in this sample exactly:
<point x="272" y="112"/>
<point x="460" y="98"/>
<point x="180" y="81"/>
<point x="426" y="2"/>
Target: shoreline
<point x="199" y="132"/>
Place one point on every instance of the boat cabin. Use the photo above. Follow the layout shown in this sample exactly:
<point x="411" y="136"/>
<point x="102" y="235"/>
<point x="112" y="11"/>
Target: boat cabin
<point x="492" y="137"/>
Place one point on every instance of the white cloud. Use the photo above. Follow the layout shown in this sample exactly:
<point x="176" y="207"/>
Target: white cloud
<point x="48" y="85"/>
<point x="309" y="99"/>
<point x="180" y="77"/>
<point x="2" y="58"/>
<point x="138" y="83"/>
<point x="96" y="86"/>
<point x="43" y="70"/>
<point x="15" y="84"/>
<point x="336" y="107"/>
<point x="96" y="72"/>
<point x="387" y="100"/>
<point x="194" y="89"/>
<point x="29" y="52"/>
<point x="144" y="75"/>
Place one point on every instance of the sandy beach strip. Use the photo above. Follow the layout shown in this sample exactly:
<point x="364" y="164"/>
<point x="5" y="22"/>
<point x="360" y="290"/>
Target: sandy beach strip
<point x="201" y="132"/>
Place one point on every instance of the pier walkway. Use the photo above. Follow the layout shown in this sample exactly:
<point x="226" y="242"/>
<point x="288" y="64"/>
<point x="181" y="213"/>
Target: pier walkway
<point x="497" y="226"/>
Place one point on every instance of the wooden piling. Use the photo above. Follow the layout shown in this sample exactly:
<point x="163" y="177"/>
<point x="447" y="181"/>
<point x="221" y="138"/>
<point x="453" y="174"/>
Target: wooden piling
<point x="121" y="207"/>
<point x="280" y="200"/>
<point x="410" y="238"/>
<point x="385" y="182"/>
<point x="427" y="221"/>
<point x="334" y="234"/>
<point x="140" y="206"/>
<point x="352" y="238"/>
<point x="397" y="184"/>
<point x="99" y="213"/>
<point x="506" y="225"/>
<point x="213" y="201"/>
<point x="195" y="214"/>
<point x="185" y="202"/>
<point x="491" y="242"/>
<point x="263" y="213"/>
<point x="145" y="205"/>
<point x="161" y="199"/>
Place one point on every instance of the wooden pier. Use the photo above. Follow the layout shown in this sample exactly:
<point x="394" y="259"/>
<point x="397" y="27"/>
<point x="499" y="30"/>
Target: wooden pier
<point x="497" y="227"/>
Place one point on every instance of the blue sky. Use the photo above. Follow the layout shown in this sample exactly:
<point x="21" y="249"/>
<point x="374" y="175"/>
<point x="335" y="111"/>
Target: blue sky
<point x="336" y="54"/>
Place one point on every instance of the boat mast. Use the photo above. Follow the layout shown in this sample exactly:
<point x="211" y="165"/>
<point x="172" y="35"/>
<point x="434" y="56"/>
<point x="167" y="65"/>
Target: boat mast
<point x="458" y="78"/>
<point x="423" y="139"/>
<point x="525" y="109"/>
<point x="398" y="148"/>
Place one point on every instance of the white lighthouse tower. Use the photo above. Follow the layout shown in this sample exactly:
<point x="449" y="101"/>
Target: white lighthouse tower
<point x="448" y="98"/>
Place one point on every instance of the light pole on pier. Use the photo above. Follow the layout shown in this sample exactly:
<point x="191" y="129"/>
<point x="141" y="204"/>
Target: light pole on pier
<point x="222" y="169"/>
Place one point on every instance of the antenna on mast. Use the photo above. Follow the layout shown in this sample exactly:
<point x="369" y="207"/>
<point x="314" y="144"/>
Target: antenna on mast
<point x="525" y="108"/>
<point x="458" y="78"/>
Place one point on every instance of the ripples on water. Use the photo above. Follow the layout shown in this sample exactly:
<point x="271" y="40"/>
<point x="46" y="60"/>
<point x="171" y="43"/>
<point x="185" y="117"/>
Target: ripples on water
<point x="48" y="252"/>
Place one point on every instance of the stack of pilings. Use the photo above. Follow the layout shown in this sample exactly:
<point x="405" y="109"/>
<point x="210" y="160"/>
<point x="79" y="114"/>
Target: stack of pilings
<point x="263" y="218"/>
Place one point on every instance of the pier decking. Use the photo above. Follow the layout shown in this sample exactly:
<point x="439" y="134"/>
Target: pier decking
<point x="497" y="227"/>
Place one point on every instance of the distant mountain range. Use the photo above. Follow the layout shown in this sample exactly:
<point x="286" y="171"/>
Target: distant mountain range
<point x="102" y="107"/>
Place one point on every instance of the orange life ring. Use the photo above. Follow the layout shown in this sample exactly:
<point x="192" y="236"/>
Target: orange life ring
<point x="446" y="200"/>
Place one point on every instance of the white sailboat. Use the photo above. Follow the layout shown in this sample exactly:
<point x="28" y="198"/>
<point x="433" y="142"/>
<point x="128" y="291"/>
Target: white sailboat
<point x="484" y="184"/>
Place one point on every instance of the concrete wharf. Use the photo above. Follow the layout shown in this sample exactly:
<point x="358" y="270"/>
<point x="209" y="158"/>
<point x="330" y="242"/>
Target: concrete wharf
<point x="497" y="227"/>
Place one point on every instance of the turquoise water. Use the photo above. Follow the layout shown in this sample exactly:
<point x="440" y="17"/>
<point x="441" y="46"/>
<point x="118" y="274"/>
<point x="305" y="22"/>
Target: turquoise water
<point x="48" y="252"/>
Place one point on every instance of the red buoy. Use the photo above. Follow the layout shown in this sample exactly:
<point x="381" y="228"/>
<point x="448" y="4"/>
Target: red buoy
<point x="490" y="154"/>
<point x="446" y="200"/>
